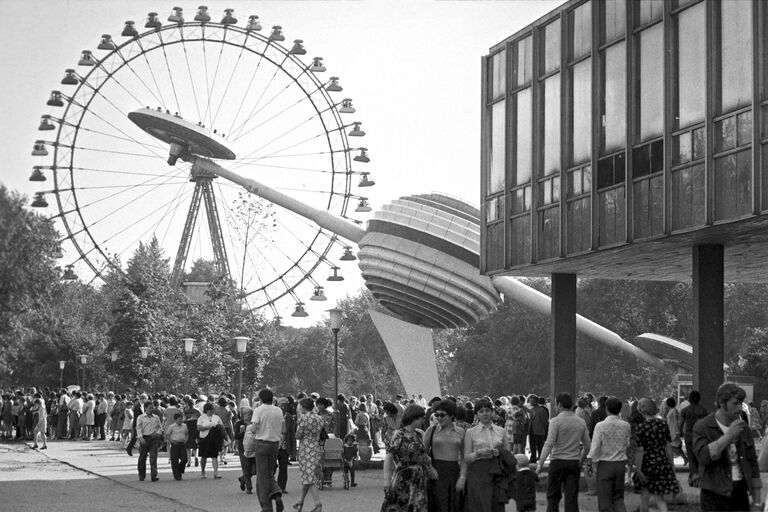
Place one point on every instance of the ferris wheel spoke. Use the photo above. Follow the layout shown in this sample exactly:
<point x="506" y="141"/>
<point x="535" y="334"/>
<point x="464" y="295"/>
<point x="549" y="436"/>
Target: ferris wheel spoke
<point x="127" y="138"/>
<point x="229" y="83"/>
<point x="138" y="77"/>
<point x="170" y="75"/>
<point x="129" y="226"/>
<point x="239" y="129"/>
<point x="191" y="80"/>
<point x="112" y="171"/>
<point x="129" y="188"/>
<point x="152" y="74"/>
<point x="299" y="143"/>
<point x="207" y="84"/>
<point x="283" y="111"/>
<point x="248" y="88"/>
<point x="213" y="85"/>
<point x="111" y="151"/>
<point x="286" y="167"/>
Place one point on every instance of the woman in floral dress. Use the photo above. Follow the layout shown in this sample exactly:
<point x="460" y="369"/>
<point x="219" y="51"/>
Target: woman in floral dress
<point x="406" y="485"/>
<point x="655" y="476"/>
<point x="308" y="433"/>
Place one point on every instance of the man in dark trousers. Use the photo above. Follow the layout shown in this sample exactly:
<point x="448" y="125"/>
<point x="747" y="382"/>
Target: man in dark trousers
<point x="608" y="457"/>
<point x="342" y="417"/>
<point x="539" y="423"/>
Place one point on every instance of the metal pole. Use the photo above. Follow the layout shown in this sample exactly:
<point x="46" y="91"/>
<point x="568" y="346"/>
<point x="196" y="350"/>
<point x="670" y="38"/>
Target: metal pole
<point x="240" y="386"/>
<point x="187" y="388"/>
<point x="61" y="379"/>
<point x="335" y="364"/>
<point x="77" y="373"/>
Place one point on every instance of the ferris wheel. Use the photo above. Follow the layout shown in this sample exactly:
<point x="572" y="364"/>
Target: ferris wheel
<point x="129" y="123"/>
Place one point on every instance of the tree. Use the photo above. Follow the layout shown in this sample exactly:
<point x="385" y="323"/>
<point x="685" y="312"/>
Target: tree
<point x="28" y="245"/>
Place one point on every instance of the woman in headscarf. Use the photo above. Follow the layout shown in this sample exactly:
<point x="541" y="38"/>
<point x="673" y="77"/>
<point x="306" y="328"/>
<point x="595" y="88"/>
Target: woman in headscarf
<point x="655" y="475"/>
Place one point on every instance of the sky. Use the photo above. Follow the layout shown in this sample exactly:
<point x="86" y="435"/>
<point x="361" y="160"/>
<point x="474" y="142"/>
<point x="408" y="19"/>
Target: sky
<point x="412" y="68"/>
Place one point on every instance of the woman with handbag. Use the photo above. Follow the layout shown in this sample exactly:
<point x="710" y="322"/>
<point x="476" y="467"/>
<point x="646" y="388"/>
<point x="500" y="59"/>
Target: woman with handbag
<point x="405" y="489"/>
<point x="308" y="432"/>
<point x="444" y="442"/>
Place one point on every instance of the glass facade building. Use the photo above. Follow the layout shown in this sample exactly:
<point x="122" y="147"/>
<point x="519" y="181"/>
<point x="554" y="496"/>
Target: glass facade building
<point x="609" y="124"/>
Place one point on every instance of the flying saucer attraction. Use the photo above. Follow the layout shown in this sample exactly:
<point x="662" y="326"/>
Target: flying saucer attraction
<point x="419" y="257"/>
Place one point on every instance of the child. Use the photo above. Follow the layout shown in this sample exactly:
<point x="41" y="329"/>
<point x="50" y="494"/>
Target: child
<point x="348" y="458"/>
<point x="176" y="437"/>
<point x="518" y="432"/>
<point x="39" y="422"/>
<point x="525" y="485"/>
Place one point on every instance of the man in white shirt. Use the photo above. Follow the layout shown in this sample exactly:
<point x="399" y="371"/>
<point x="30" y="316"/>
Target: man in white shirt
<point x="608" y="451"/>
<point x="149" y="430"/>
<point x="61" y="427"/>
<point x="268" y="425"/>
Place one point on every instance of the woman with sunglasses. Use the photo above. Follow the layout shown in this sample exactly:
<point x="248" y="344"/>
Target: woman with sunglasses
<point x="444" y="442"/>
<point x="481" y="449"/>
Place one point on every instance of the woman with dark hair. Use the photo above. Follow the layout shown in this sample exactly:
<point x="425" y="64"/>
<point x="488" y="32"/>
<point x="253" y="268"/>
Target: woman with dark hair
<point x="481" y="449"/>
<point x="211" y="432"/>
<point x="308" y="433"/>
<point x="655" y="475"/>
<point x="406" y="484"/>
<point x="191" y="414"/>
<point x="444" y="442"/>
<point x="470" y="416"/>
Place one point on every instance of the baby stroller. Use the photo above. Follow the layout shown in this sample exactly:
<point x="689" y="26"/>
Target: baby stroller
<point x="331" y="460"/>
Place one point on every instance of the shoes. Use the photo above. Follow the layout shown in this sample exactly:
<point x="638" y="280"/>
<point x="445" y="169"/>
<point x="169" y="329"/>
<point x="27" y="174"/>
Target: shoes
<point x="283" y="491"/>
<point x="353" y="484"/>
<point x="242" y="483"/>
<point x="217" y="477"/>
<point x="196" y="462"/>
<point x="249" y="491"/>
<point x="34" y="447"/>
<point x="279" y="507"/>
<point x="189" y="463"/>
<point x="155" y="478"/>
<point x="129" y="452"/>
<point x="44" y="448"/>
<point x="179" y="478"/>
<point x="141" y="479"/>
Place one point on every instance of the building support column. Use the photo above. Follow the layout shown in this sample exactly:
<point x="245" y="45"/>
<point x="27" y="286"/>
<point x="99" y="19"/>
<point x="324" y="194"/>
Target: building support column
<point x="562" y="375"/>
<point x="708" y="332"/>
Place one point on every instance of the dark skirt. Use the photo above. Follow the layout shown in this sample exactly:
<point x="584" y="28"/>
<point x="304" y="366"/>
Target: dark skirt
<point x="193" y="434"/>
<point x="442" y="492"/>
<point x="480" y="482"/>
<point x="210" y="445"/>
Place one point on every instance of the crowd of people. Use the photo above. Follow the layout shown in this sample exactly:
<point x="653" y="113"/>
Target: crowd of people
<point x="447" y="455"/>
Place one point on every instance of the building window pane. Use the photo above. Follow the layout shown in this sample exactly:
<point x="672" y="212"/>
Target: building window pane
<point x="521" y="200"/>
<point x="736" y="55"/>
<point x="494" y="246"/>
<point x="551" y="144"/>
<point x="550" y="51"/>
<point x="579" y="232"/>
<point x="649" y="207"/>
<point x="648" y="10"/>
<point x="581" y="120"/>
<point x="580" y="21"/>
<point x="494" y="209"/>
<point x="613" y="20"/>
<point x="523" y="66"/>
<point x="614" y="96"/>
<point x="691" y="59"/>
<point x="549" y="233"/>
<point x="521" y="240"/>
<point x="498" y="74"/>
<point x="498" y="138"/>
<point x="612" y="208"/>
<point x="523" y="146"/>
<point x="688" y="197"/>
<point x="733" y="185"/>
<point x="651" y="90"/>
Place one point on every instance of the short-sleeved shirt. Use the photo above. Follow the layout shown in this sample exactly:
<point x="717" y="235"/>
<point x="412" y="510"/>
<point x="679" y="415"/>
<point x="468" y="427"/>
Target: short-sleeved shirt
<point x="204" y="421"/>
<point x="269" y="422"/>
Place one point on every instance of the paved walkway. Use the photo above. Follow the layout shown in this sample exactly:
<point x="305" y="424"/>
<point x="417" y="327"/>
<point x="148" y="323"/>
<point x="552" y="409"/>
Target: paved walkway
<point x="77" y="473"/>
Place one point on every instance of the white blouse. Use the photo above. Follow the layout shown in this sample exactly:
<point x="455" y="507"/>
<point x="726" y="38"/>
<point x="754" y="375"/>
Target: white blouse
<point x="204" y="421"/>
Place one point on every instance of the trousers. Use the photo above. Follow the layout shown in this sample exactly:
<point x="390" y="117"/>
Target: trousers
<point x="148" y="446"/>
<point x="563" y="481"/>
<point x="266" y="485"/>
<point x="178" y="454"/>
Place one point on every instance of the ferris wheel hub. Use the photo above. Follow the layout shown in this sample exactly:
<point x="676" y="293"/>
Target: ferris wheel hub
<point x="183" y="136"/>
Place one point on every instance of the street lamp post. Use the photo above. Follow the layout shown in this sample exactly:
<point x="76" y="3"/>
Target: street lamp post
<point x="144" y="352"/>
<point x="242" y="341"/>
<point x="61" y="376"/>
<point x="113" y="358"/>
<point x="335" y="315"/>
<point x="189" y="343"/>
<point x="83" y="361"/>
